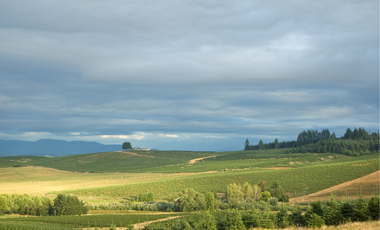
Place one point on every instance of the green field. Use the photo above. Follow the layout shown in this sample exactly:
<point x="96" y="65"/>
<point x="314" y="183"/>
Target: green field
<point x="125" y="174"/>
<point x="295" y="181"/>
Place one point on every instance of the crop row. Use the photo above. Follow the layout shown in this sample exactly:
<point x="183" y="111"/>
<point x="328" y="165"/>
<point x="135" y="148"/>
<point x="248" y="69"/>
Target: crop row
<point x="81" y="221"/>
<point x="295" y="181"/>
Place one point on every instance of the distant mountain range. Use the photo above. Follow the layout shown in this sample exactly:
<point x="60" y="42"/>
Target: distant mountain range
<point x="48" y="147"/>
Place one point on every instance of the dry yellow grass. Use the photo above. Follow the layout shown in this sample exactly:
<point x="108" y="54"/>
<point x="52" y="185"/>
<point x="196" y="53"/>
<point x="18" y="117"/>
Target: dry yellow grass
<point x="366" y="185"/>
<point x="40" y="180"/>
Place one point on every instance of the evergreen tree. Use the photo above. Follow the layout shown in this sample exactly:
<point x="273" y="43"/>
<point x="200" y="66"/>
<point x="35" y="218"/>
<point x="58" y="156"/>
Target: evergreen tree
<point x="296" y="218"/>
<point x="208" y="222"/>
<point x="233" y="220"/>
<point x="282" y="218"/>
<point x="182" y="224"/>
<point x="332" y="215"/>
<point x="252" y="219"/>
<point x="246" y="146"/>
<point x="261" y="144"/>
<point x="267" y="220"/>
<point x="349" y="134"/>
<point x="347" y="210"/>
<point x="276" y="190"/>
<point x="276" y="144"/>
<point x="361" y="210"/>
<point x="374" y="207"/>
<point x="262" y="186"/>
<point x="316" y="207"/>
<point x="315" y="221"/>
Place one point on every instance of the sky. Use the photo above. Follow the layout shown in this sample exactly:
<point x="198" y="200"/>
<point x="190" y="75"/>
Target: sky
<point x="187" y="75"/>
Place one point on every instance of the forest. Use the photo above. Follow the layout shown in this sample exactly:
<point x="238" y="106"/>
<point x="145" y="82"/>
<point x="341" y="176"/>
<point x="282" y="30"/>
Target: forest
<point x="352" y="143"/>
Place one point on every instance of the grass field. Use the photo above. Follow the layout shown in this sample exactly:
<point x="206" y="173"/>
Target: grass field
<point x="41" y="180"/>
<point x="124" y="174"/>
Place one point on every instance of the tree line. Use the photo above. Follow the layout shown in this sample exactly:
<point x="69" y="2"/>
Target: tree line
<point x="41" y="206"/>
<point x="353" y="143"/>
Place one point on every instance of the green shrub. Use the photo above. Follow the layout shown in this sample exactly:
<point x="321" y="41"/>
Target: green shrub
<point x="273" y="201"/>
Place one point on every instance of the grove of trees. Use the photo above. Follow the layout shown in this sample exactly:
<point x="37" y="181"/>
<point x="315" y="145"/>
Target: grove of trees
<point x="352" y="143"/>
<point x="41" y="206"/>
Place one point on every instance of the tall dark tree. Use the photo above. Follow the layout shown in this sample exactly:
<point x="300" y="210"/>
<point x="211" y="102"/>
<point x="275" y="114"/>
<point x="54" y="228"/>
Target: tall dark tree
<point x="127" y="145"/>
<point x="349" y="134"/>
<point x="246" y="146"/>
<point x="261" y="144"/>
<point x="276" y="190"/>
<point x="374" y="207"/>
<point x="276" y="144"/>
<point x="332" y="214"/>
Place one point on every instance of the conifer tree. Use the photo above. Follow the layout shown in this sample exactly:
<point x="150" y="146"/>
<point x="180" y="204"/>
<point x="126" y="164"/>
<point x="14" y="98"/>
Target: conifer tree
<point x="208" y="222"/>
<point x="374" y="207"/>
<point x="267" y="220"/>
<point x="282" y="217"/>
<point x="252" y="219"/>
<point x="347" y="210"/>
<point x="332" y="215"/>
<point x="233" y="220"/>
<point x="296" y="218"/>
<point x="361" y="210"/>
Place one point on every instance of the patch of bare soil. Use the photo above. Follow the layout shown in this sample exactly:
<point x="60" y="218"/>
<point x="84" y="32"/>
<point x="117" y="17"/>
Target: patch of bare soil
<point x="324" y="194"/>
<point x="279" y="168"/>
<point x="135" y="154"/>
<point x="199" y="159"/>
<point x="142" y="225"/>
<point x="361" y="164"/>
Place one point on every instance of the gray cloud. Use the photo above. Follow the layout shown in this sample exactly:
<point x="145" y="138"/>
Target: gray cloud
<point x="194" y="69"/>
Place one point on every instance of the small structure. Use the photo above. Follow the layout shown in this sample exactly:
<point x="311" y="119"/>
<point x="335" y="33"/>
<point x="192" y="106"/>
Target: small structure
<point x="137" y="148"/>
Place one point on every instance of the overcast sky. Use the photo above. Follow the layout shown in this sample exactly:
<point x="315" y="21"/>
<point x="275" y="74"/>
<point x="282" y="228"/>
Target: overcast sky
<point x="188" y="75"/>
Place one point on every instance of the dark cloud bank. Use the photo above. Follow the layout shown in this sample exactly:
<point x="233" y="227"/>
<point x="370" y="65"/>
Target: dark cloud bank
<point x="187" y="74"/>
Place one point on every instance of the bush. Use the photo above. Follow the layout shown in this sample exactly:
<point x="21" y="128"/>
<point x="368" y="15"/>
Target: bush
<point x="190" y="200"/>
<point x="273" y="201"/>
<point x="146" y="197"/>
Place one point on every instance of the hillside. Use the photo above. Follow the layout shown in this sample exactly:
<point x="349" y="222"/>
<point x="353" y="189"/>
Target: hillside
<point x="48" y="147"/>
<point x="165" y="173"/>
